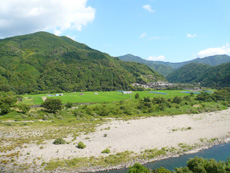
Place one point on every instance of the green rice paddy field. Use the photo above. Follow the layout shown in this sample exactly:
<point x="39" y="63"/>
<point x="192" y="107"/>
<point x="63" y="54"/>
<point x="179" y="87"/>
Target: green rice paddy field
<point x="91" y="97"/>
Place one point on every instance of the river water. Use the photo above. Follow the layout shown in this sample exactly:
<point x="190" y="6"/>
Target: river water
<point x="219" y="152"/>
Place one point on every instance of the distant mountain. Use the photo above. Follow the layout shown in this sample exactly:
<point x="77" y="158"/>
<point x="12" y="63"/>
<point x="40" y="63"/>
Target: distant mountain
<point x="189" y="73"/>
<point x="43" y="62"/>
<point x="211" y="60"/>
<point x="217" y="76"/>
<point x="211" y="76"/>
<point x="165" y="68"/>
<point x="159" y="68"/>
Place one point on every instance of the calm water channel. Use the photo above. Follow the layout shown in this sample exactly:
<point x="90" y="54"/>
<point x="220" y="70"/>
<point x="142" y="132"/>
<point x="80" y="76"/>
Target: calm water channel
<point x="219" y="152"/>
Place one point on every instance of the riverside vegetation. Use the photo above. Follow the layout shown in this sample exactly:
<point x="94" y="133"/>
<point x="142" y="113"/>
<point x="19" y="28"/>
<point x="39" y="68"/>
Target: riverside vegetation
<point x="194" y="165"/>
<point x="37" y="125"/>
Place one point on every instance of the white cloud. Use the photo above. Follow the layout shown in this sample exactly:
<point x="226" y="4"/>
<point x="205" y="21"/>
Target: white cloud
<point x="148" y="8"/>
<point x="214" y="51"/>
<point x="143" y="35"/>
<point x="154" y="38"/>
<point x="156" y="58"/>
<point x="26" y="16"/>
<point x="191" y="35"/>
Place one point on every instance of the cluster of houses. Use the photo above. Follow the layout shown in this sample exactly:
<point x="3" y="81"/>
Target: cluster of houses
<point x="157" y="85"/>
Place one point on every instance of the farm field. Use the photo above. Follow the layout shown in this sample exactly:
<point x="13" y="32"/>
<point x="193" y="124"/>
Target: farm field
<point x="91" y="97"/>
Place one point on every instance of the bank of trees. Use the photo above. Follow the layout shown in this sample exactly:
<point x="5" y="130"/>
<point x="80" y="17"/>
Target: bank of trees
<point x="194" y="165"/>
<point x="203" y="102"/>
<point x="7" y="100"/>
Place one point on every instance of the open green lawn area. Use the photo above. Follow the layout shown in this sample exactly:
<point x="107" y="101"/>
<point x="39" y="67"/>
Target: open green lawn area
<point x="90" y="97"/>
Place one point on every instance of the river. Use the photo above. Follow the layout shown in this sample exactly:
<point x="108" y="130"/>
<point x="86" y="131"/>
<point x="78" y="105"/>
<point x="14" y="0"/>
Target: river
<point x="219" y="152"/>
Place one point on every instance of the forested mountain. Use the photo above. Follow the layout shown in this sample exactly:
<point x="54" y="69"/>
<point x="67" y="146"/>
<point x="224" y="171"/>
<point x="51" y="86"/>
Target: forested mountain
<point x="43" y="62"/>
<point x="165" y="68"/>
<point x="189" y="73"/>
<point x="211" y="60"/>
<point x="217" y="76"/>
<point x="211" y="76"/>
<point x="159" y="68"/>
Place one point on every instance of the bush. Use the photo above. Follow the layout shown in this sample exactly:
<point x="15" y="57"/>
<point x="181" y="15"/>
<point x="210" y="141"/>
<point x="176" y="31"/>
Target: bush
<point x="162" y="170"/>
<point x="177" y="100"/>
<point x="106" y="151"/>
<point x="52" y="105"/>
<point x="161" y="107"/>
<point x="59" y="141"/>
<point x="137" y="167"/>
<point x="137" y="96"/>
<point x="81" y="145"/>
<point x="206" y="97"/>
<point x="23" y="108"/>
<point x="147" y="99"/>
<point x="5" y="108"/>
<point x="69" y="105"/>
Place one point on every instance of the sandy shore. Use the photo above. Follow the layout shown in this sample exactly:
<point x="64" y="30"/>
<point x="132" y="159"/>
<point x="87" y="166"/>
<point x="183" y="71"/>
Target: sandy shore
<point x="138" y="135"/>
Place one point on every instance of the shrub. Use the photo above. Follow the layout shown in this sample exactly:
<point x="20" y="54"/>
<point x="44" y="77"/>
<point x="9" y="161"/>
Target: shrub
<point x="161" y="107"/>
<point x="23" y="108"/>
<point x="69" y="105"/>
<point x="81" y="145"/>
<point x="146" y="99"/>
<point x="161" y="170"/>
<point x="5" y="108"/>
<point x="137" y="167"/>
<point x="52" y="105"/>
<point x="137" y="96"/>
<point x="177" y="100"/>
<point x="106" y="151"/>
<point x="191" y="94"/>
<point x="59" y="141"/>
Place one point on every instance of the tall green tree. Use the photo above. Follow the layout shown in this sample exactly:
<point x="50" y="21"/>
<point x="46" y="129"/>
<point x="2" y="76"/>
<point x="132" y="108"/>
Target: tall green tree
<point x="52" y="105"/>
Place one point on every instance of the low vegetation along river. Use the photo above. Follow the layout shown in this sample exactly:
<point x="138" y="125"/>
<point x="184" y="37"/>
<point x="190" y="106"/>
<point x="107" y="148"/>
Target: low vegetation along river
<point x="219" y="152"/>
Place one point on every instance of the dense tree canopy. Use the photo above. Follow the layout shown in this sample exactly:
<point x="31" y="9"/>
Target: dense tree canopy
<point x="194" y="165"/>
<point x="7" y="99"/>
<point x="52" y="105"/>
<point x="217" y="76"/>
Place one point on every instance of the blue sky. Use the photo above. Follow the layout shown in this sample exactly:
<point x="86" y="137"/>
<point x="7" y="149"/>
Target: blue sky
<point x="168" y="30"/>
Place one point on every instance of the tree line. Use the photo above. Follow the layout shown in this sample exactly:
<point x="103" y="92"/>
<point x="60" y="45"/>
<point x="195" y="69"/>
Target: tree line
<point x="194" y="165"/>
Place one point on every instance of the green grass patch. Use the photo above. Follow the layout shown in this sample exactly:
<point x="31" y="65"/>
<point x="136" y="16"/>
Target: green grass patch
<point x="90" y="97"/>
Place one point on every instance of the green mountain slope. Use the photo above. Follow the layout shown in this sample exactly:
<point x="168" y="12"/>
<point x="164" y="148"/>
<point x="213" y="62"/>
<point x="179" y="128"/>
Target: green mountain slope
<point x="159" y="68"/>
<point x="189" y="73"/>
<point x="216" y="76"/>
<point x="44" y="62"/>
<point x="211" y="60"/>
<point x="165" y="68"/>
